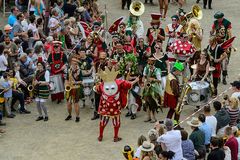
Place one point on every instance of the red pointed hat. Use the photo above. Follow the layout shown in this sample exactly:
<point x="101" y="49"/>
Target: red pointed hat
<point x="114" y="26"/>
<point x="155" y="18"/>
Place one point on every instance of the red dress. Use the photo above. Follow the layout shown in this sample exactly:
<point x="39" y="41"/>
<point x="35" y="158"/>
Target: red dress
<point x="111" y="105"/>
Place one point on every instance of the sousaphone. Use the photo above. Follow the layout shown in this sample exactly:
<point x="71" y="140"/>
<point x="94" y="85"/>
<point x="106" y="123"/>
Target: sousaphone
<point x="137" y="8"/>
<point x="196" y="12"/>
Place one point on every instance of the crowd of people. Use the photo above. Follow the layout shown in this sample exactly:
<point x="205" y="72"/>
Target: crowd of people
<point x="65" y="51"/>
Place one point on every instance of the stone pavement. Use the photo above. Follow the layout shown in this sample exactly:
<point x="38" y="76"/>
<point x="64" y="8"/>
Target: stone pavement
<point x="60" y="140"/>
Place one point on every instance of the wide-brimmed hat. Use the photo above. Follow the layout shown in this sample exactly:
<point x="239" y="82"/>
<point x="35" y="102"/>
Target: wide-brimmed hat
<point x="194" y="122"/>
<point x="147" y="146"/>
<point x="218" y="15"/>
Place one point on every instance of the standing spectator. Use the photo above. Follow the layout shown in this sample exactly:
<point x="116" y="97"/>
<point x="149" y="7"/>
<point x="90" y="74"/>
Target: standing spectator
<point x="124" y="2"/>
<point x="171" y="140"/>
<point x="40" y="29"/>
<point x="197" y="137"/>
<point x="210" y="119"/>
<point x="222" y="117"/>
<point x="141" y="139"/>
<point x="3" y="61"/>
<point x="236" y="134"/>
<point x="24" y="22"/>
<point x="13" y="16"/>
<point x="206" y="129"/>
<point x="233" y="111"/>
<point x="69" y="8"/>
<point x="18" y="28"/>
<point x="226" y="149"/>
<point x="39" y="7"/>
<point x="231" y="142"/>
<point x="216" y="152"/>
<point x="32" y="26"/>
<point x="54" y="23"/>
<point x="187" y="146"/>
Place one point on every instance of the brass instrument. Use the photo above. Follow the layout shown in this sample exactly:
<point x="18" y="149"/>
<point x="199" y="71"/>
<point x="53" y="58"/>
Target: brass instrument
<point x="185" y="90"/>
<point x="196" y="12"/>
<point x="30" y="88"/>
<point x="137" y="8"/>
<point x="68" y="86"/>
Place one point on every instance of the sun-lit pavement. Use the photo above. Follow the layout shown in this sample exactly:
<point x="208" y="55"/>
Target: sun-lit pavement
<point x="60" y="140"/>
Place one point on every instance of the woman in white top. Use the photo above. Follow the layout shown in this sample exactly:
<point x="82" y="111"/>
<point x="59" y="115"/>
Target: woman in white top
<point x="3" y="60"/>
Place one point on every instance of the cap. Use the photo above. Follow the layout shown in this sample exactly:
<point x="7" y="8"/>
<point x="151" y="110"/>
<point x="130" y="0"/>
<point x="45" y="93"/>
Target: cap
<point x="175" y="17"/>
<point x="218" y="15"/>
<point x="179" y="66"/>
<point x="96" y="23"/>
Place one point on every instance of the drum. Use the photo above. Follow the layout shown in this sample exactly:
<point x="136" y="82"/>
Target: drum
<point x="88" y="83"/>
<point x="56" y="84"/>
<point x="199" y="94"/>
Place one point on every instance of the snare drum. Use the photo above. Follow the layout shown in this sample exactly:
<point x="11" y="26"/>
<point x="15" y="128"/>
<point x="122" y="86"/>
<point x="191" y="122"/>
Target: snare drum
<point x="56" y="84"/>
<point x="199" y="94"/>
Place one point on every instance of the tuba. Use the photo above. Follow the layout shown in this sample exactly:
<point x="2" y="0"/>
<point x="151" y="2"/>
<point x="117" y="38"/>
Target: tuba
<point x="185" y="90"/>
<point x="196" y="12"/>
<point x="137" y="8"/>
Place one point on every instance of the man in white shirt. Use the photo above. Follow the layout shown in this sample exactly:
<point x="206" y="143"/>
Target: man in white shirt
<point x="210" y="119"/>
<point x="171" y="140"/>
<point x="236" y="89"/>
<point x="3" y="60"/>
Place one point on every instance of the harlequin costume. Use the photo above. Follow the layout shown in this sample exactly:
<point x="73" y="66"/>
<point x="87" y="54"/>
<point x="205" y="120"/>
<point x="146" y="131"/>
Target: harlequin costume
<point x="113" y="99"/>
<point x="172" y="92"/>
<point x="172" y="28"/>
<point x="155" y="33"/>
<point x="57" y="61"/>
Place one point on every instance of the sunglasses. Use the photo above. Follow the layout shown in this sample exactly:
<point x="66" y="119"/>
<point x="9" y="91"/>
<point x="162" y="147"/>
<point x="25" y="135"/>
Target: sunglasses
<point x="55" y="46"/>
<point x="157" y="47"/>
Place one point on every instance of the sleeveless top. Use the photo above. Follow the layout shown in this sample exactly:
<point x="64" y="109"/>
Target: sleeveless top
<point x="201" y="69"/>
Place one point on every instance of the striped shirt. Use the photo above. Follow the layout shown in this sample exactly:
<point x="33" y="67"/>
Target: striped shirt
<point x="233" y="114"/>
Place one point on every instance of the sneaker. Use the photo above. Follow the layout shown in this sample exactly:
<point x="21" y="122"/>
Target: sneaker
<point x="10" y="116"/>
<point x="39" y="118"/>
<point x="2" y="123"/>
<point x="133" y="116"/>
<point x="77" y="119"/>
<point x="128" y="114"/>
<point x="24" y="111"/>
<point x="68" y="118"/>
<point x="13" y="109"/>
<point x="46" y="119"/>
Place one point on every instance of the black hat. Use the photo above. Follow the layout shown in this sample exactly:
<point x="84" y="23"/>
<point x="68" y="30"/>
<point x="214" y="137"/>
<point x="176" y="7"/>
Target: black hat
<point x="175" y="17"/>
<point x="96" y="23"/>
<point x="218" y="15"/>
<point x="236" y="84"/>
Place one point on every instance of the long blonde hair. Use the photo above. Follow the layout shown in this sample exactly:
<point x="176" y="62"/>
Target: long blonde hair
<point x="234" y="102"/>
<point x="193" y="22"/>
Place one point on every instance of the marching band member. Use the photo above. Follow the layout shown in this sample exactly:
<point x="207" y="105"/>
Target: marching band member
<point x="173" y="31"/>
<point x="113" y="98"/>
<point x="99" y="65"/>
<point x="90" y="47"/>
<point x="162" y="63"/>
<point x="74" y="89"/>
<point x="57" y="60"/>
<point x="163" y="5"/>
<point x="172" y="91"/>
<point x="155" y="33"/>
<point x="152" y="88"/>
<point x="223" y="28"/>
<point x="217" y="55"/>
<point x="41" y="90"/>
<point x="119" y="52"/>
<point x="121" y="32"/>
<point x="130" y="74"/>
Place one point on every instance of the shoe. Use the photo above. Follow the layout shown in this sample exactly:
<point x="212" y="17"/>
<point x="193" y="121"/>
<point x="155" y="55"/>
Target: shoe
<point x="128" y="114"/>
<point x="59" y="101"/>
<point x="46" y="119"/>
<point x="178" y="127"/>
<point x="77" y="119"/>
<point x="10" y="116"/>
<point x="148" y="120"/>
<point x="2" y="124"/>
<point x="133" y="116"/>
<point x="13" y="109"/>
<point x="224" y="81"/>
<point x="68" y="118"/>
<point x="39" y="118"/>
<point x="100" y="139"/>
<point x="24" y="111"/>
<point x="95" y="116"/>
<point x="116" y="139"/>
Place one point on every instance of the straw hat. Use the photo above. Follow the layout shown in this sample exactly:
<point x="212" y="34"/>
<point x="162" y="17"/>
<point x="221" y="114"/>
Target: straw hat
<point x="147" y="146"/>
<point x="194" y="122"/>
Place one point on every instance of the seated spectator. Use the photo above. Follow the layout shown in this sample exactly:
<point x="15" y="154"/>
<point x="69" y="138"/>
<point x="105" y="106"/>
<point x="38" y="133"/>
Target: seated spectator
<point x="222" y="117"/>
<point x="210" y="119"/>
<point x="26" y="71"/>
<point x="171" y="140"/>
<point x="236" y="89"/>
<point x="7" y="31"/>
<point x="54" y="23"/>
<point x="18" y="28"/>
<point x="141" y="139"/>
<point x="206" y="129"/>
<point x="233" y="111"/>
<point x="147" y="151"/>
<point x="231" y="142"/>
<point x="216" y="152"/>
<point x="236" y="134"/>
<point x="40" y="29"/>
<point x="3" y="60"/>
<point x="187" y="146"/>
<point x="197" y="137"/>
<point x="128" y="153"/>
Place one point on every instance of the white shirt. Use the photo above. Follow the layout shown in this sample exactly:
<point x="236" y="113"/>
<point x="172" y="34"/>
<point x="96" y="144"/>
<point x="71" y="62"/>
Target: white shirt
<point x="33" y="27"/>
<point x="236" y="95"/>
<point x="173" y="142"/>
<point x="138" y="152"/>
<point x="53" y="22"/>
<point x="3" y="63"/>
<point x="24" y="23"/>
<point x="212" y="122"/>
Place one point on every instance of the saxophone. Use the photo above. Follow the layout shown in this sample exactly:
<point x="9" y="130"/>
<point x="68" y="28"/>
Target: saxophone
<point x="185" y="90"/>
<point x="69" y="85"/>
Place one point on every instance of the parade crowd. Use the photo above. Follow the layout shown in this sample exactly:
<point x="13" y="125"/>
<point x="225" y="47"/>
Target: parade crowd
<point x="63" y="50"/>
